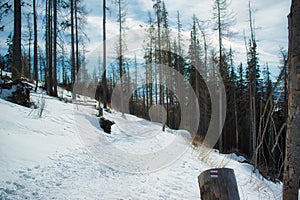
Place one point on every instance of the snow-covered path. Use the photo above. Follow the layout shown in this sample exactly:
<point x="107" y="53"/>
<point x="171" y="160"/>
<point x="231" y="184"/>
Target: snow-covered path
<point x="53" y="157"/>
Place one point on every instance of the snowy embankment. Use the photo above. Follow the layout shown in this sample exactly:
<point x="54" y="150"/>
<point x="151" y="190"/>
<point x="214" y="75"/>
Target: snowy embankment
<point x="53" y="157"/>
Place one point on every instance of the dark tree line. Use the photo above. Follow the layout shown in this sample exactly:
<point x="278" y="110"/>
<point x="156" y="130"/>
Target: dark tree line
<point x="60" y="23"/>
<point x="256" y="113"/>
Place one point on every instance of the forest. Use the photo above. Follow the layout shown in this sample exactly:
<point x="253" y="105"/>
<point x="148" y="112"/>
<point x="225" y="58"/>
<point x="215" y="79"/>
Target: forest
<point x="49" y="44"/>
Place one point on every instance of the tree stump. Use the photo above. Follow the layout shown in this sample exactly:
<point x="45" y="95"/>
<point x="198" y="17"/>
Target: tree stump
<point x="218" y="184"/>
<point x="106" y="124"/>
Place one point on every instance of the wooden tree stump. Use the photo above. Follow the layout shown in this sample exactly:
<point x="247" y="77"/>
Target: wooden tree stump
<point x="218" y="184"/>
<point x="106" y="124"/>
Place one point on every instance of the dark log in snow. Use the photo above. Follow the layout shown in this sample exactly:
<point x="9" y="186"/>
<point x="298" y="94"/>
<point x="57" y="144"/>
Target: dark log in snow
<point x="106" y="124"/>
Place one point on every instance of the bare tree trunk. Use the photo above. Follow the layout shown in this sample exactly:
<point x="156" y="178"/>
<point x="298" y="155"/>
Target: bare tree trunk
<point x="252" y="88"/>
<point x="55" y="48"/>
<point x="28" y="70"/>
<point x="104" y="82"/>
<point x="221" y="145"/>
<point x="292" y="160"/>
<point x="72" y="49"/>
<point x="205" y="70"/>
<point x="49" y="49"/>
<point x="151" y="59"/>
<point x="161" y="98"/>
<point x="76" y="37"/>
<point x="17" y="55"/>
<point x="121" y="54"/>
<point x="35" y="50"/>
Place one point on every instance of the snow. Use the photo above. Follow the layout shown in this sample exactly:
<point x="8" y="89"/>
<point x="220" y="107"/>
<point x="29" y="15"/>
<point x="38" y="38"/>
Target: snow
<point x="66" y="155"/>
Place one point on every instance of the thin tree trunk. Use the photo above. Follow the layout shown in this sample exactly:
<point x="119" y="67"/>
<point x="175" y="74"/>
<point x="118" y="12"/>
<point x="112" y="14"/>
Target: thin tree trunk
<point x="47" y="52"/>
<point x="104" y="82"/>
<point x="221" y="146"/>
<point x="72" y="49"/>
<point x="35" y="50"/>
<point x="121" y="55"/>
<point x="28" y="71"/>
<point x="76" y="37"/>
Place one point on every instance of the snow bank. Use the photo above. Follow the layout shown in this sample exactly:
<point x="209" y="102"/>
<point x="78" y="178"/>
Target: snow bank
<point x="53" y="157"/>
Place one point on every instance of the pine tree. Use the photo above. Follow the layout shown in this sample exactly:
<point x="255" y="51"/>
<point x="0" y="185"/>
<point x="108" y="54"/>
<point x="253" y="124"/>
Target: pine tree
<point x="121" y="45"/>
<point x="224" y="19"/>
<point x="253" y="86"/>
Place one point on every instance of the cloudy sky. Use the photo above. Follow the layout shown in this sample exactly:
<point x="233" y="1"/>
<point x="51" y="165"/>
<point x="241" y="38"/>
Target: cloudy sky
<point x="270" y="21"/>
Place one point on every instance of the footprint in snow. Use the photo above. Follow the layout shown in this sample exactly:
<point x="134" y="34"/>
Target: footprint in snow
<point x="8" y="191"/>
<point x="19" y="186"/>
<point x="37" y="167"/>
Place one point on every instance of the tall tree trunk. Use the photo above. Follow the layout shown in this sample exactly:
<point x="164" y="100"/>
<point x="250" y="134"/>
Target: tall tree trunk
<point x="221" y="145"/>
<point x="161" y="95"/>
<point x="104" y="81"/>
<point x="121" y="54"/>
<point x="76" y="37"/>
<point x="292" y="161"/>
<point x="17" y="55"/>
<point x="72" y="49"/>
<point x="252" y="88"/>
<point x="151" y="59"/>
<point x="55" y="48"/>
<point x="46" y="47"/>
<point x="205" y="70"/>
<point x="35" y="50"/>
<point x="28" y="70"/>
<point x="49" y="49"/>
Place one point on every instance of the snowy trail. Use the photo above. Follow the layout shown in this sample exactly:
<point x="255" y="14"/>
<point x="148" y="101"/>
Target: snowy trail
<point x="47" y="158"/>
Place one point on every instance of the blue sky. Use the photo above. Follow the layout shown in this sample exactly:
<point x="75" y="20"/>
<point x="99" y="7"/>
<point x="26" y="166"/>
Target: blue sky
<point x="270" y="20"/>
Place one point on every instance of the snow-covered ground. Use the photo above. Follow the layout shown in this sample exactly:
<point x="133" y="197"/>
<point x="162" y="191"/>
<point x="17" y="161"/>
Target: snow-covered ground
<point x="65" y="155"/>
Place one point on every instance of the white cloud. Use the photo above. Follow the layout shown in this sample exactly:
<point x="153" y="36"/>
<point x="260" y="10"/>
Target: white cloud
<point x="270" y="18"/>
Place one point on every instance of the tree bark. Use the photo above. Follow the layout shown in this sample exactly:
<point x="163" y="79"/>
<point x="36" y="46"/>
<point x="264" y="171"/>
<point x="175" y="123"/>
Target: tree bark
<point x="49" y="48"/>
<point x="218" y="184"/>
<point x="17" y="55"/>
<point x="120" y="57"/>
<point x="35" y="50"/>
<point x="73" y="76"/>
<point x="55" y="48"/>
<point x="292" y="160"/>
<point x="104" y="81"/>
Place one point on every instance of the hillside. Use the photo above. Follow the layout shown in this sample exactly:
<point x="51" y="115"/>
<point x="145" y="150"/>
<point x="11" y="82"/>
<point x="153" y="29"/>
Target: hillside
<point x="65" y="155"/>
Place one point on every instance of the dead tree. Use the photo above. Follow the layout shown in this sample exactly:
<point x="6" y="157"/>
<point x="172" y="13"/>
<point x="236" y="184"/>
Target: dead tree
<point x="17" y="63"/>
<point x="292" y="160"/>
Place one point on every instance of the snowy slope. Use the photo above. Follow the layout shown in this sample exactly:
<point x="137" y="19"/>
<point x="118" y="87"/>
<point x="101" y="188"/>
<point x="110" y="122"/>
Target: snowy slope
<point x="65" y="155"/>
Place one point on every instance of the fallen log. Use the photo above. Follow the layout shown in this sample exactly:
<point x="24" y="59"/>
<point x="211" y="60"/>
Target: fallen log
<point x="106" y="124"/>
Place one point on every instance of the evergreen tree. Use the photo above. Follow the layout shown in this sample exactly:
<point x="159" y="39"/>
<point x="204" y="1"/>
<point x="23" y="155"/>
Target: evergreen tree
<point x="224" y="19"/>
